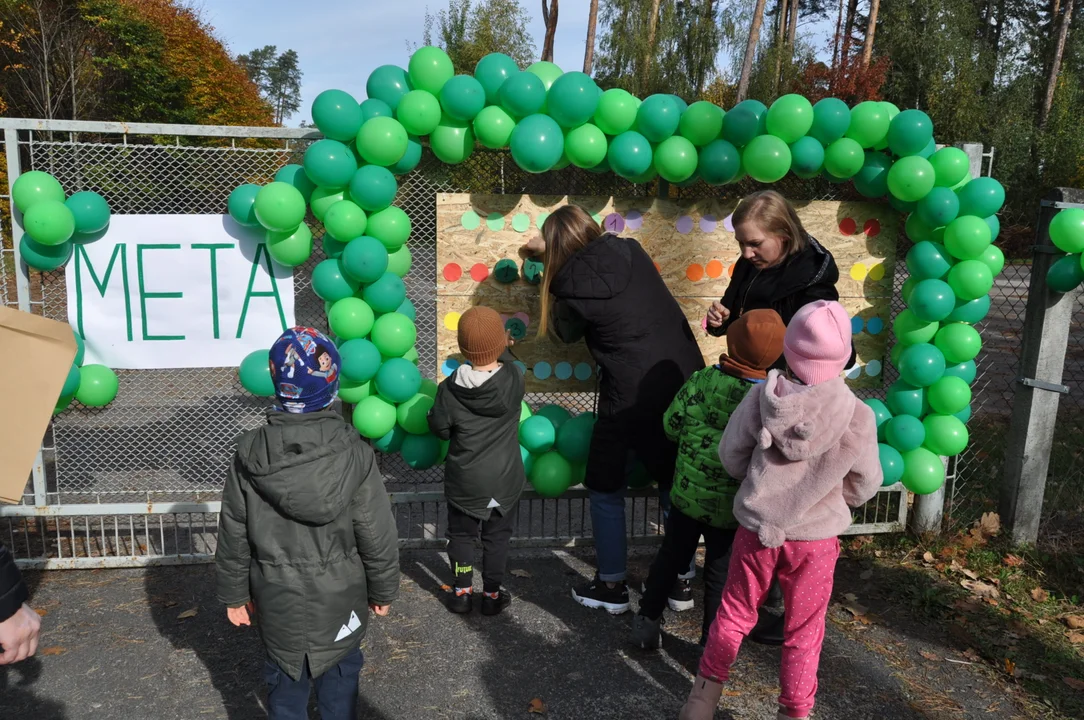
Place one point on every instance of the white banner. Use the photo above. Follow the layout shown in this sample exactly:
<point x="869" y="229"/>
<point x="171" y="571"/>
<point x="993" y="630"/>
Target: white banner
<point x="175" y="291"/>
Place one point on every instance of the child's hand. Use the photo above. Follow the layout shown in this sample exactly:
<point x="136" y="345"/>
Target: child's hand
<point x="240" y="616"/>
<point x="534" y="247"/>
<point x="717" y="314"/>
<point x="380" y="610"/>
<point x="509" y="338"/>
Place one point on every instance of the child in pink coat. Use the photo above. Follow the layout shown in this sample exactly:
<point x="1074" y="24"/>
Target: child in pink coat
<point x="805" y="450"/>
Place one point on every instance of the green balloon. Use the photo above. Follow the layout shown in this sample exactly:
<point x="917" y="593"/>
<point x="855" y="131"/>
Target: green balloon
<point x="872" y="180"/>
<point x="905" y="399"/>
<point x="908" y="289"/>
<point x="949" y="395"/>
<point x="923" y="472"/>
<point x="421" y="452"/>
<point x="950" y="166"/>
<point x="970" y="311"/>
<point x="766" y="158"/>
<point x="790" y="118"/>
<point x="337" y="115"/>
<point x="255" y="374"/>
<point x="373" y="188"/>
<point x="331" y="282"/>
<point x="407" y="308"/>
<point x="586" y="146"/>
<point x="388" y="84"/>
<point x="966" y="371"/>
<point x="398" y="380"/>
<point x="280" y="207"/>
<point x="844" y="158"/>
<point x="352" y="393"/>
<point x="375" y="108"/>
<point x="374" y="417"/>
<point x="394" y="334"/>
<point x="891" y="464"/>
<point x="44" y="257"/>
<point x="970" y="279"/>
<point x="411" y="159"/>
<point x="740" y="126"/>
<point x="381" y="141"/>
<point x="332" y="248"/>
<point x="392" y="442"/>
<point x="551" y="475"/>
<point x="574" y="438"/>
<point x="928" y="260"/>
<point x="905" y="433"/>
<point x="719" y="162"/>
<point x="491" y="71"/>
<point x="958" y="343"/>
<point x="49" y="222"/>
<point x="966" y="237"/>
<point x="89" y="210"/>
<point x="359" y="360"/>
<point x="452" y="141"/>
<point x="881" y="414"/>
<point x="910" y="330"/>
<point x="493" y="127"/>
<point x="345" y="221"/>
<point x="523" y="94"/>
<point x="629" y="154"/>
<point x="33" y="187"/>
<point x="429" y="68"/>
<point x="330" y="163"/>
<point x="616" y="112"/>
<point x="911" y="178"/>
<point x="537" y="434"/>
<point x="80" y="348"/>
<point x="399" y="261"/>
<point x="900" y="205"/>
<point x="939" y="207"/>
<point x="983" y="196"/>
<point x="910" y="132"/>
<point x="1067" y="230"/>
<point x="324" y="198"/>
<point x="922" y="364"/>
<point x="62" y="404"/>
<point x="547" y="72"/>
<point x="807" y="158"/>
<point x="524" y="410"/>
<point x="945" y="435"/>
<point x="413" y="414"/>
<point x="428" y="388"/>
<point x="386" y="294"/>
<point x="658" y="118"/>
<point x="290" y="249"/>
<point x="702" y="123"/>
<point x="869" y="123"/>
<point x="350" y="318"/>
<point x="1064" y="275"/>
<point x="556" y="414"/>
<point x="241" y="205"/>
<point x="419" y="112"/>
<point x="390" y="226"/>
<point x="676" y="159"/>
<point x="932" y="300"/>
<point x="537" y="143"/>
<point x="71" y="383"/>
<point x="831" y="118"/>
<point x="573" y="99"/>
<point x="462" y="98"/>
<point x="98" y="385"/>
<point x="295" y="175"/>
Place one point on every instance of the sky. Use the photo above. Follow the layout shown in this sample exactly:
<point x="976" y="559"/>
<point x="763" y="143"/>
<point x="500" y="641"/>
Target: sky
<point x="340" y="42"/>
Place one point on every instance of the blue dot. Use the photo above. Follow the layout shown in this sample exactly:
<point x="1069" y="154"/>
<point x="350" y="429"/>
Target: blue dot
<point x="856" y="325"/>
<point x="582" y="371"/>
<point x="521" y="367"/>
<point x="875" y="325"/>
<point x="542" y="370"/>
<point x="855" y="372"/>
<point x="873" y="368"/>
<point x="449" y="366"/>
<point x="563" y="371"/>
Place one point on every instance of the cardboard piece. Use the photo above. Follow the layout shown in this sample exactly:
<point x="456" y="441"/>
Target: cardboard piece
<point x="29" y="404"/>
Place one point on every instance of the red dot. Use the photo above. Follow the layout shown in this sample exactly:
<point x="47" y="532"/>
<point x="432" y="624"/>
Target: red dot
<point x="479" y="272"/>
<point x="872" y="228"/>
<point x="847" y="226"/>
<point x="452" y="272"/>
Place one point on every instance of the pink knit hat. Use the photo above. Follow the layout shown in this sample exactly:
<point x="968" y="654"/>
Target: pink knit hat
<point x="817" y="345"/>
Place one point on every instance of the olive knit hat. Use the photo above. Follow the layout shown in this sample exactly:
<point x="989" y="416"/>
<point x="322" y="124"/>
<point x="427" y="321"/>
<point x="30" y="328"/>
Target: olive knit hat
<point x="482" y="337"/>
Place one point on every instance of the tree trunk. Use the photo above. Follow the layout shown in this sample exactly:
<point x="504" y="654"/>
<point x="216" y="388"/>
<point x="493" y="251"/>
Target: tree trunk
<point x="549" y="16"/>
<point x="792" y="27"/>
<point x="1055" y="66"/>
<point x="871" y="29"/>
<point x="848" y="31"/>
<point x="652" y="32"/>
<point x="839" y="30"/>
<point x="589" y="49"/>
<point x="780" y="35"/>
<point x="750" y="50"/>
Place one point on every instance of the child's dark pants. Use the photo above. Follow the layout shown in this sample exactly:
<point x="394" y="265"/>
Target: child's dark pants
<point x="336" y="690"/>
<point x="496" y="538"/>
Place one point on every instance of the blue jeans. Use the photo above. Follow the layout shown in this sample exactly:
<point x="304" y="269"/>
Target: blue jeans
<point x="336" y="690"/>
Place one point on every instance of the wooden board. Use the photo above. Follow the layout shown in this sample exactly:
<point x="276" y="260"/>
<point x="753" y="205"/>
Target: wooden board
<point x="693" y="246"/>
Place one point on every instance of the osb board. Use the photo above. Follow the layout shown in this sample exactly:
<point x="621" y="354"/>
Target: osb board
<point x="692" y="244"/>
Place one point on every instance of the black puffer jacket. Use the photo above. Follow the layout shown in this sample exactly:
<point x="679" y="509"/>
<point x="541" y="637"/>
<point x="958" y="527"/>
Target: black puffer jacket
<point x="611" y="295"/>
<point x="13" y="592"/>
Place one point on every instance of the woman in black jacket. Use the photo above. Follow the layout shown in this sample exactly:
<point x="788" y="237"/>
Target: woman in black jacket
<point x="606" y="290"/>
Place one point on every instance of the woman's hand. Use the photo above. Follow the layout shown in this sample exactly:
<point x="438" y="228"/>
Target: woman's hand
<point x="534" y="247"/>
<point x="240" y="616"/>
<point x="717" y="314"/>
<point x="381" y="610"/>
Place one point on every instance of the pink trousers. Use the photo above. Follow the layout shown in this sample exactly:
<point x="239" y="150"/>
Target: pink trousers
<point x="805" y="571"/>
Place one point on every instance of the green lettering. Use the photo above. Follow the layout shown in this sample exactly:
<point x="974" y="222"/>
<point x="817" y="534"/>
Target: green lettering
<point x="214" y="278"/>
<point x="82" y="257"/>
<point x="261" y="249"/>
<point x="144" y="295"/>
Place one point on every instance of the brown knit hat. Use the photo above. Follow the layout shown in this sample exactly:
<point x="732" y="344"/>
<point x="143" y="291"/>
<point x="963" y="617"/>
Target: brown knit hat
<point x="482" y="337"/>
<point x="755" y="343"/>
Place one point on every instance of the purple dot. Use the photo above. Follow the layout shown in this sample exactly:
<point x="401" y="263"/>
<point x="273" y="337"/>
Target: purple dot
<point x="634" y="220"/>
<point x="613" y="223"/>
<point x="684" y="224"/>
<point x="708" y="223"/>
<point x="728" y="222"/>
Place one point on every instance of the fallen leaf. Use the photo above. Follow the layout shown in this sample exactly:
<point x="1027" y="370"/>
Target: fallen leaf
<point x="1073" y="683"/>
<point x="972" y="655"/>
<point x="930" y="656"/>
<point x="1075" y="622"/>
<point x="1010" y="666"/>
<point x="1076" y="638"/>
<point x="866" y="575"/>
<point x="970" y="573"/>
<point x="190" y="613"/>
<point x="1040" y="595"/>
<point x="521" y="573"/>
<point x="731" y="693"/>
<point x="966" y="605"/>
<point x="537" y="707"/>
<point x="988" y="526"/>
<point x="980" y="589"/>
<point x="41" y="611"/>
<point x="927" y="557"/>
<point x="445" y="587"/>
<point x="855" y="608"/>
<point x="1012" y="561"/>
<point x="55" y="650"/>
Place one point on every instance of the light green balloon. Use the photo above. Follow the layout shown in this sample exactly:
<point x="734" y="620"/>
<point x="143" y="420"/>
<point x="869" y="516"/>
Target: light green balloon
<point x="701" y="123"/>
<point x="452" y="141"/>
<point x="586" y="146"/>
<point x="869" y="123"/>
<point x="33" y="187"/>
<point x="413" y="414"/>
<point x="911" y="178"/>
<point x="345" y="221"/>
<point x="399" y="262"/>
<point x="390" y="226"/>
<point x="382" y="141"/>
<point x="616" y="112"/>
<point x="290" y="248"/>
<point x="324" y="198"/>
<point x="790" y="118"/>
<point x="97" y="386"/>
<point x="429" y="68"/>
<point x="374" y="417"/>
<point x="49" y="222"/>
<point x="493" y="127"/>
<point x="419" y="112"/>
<point x="280" y="207"/>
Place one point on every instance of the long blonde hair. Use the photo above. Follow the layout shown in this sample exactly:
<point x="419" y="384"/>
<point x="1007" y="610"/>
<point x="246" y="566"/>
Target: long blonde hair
<point x="774" y="215"/>
<point x="566" y="231"/>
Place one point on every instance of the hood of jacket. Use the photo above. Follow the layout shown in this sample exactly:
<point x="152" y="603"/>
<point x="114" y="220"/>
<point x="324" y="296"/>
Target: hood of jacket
<point x="598" y="271"/>
<point x="811" y="266"/>
<point x="494" y="398"/>
<point x="803" y="422"/>
<point x="299" y="476"/>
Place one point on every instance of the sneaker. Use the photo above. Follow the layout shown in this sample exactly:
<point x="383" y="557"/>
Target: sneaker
<point x="681" y="596"/>
<point x="769" y="629"/>
<point x="597" y="594"/>
<point x="461" y="602"/>
<point x="646" y="633"/>
<point x="494" y="605"/>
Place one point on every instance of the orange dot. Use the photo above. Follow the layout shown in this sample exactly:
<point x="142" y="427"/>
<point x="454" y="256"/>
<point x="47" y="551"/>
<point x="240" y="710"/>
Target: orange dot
<point x="695" y="272"/>
<point x="658" y="267"/>
<point x="730" y="270"/>
<point x="715" y="269"/>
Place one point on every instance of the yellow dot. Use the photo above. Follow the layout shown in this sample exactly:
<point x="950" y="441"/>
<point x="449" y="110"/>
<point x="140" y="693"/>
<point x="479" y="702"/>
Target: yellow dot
<point x="451" y="321"/>
<point x="858" y="271"/>
<point x="877" y="272"/>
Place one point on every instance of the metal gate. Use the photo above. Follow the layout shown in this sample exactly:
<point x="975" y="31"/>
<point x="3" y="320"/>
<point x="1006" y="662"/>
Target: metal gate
<point x="138" y="482"/>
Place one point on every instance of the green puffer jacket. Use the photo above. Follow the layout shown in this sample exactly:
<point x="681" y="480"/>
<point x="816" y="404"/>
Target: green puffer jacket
<point x="307" y="533"/>
<point x="695" y="420"/>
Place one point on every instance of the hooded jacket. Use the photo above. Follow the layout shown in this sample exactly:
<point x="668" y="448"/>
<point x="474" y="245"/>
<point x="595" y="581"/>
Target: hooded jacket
<point x="484" y="465"/>
<point x="13" y="591"/>
<point x="803" y="455"/>
<point x="307" y="533"/>
<point x="610" y="294"/>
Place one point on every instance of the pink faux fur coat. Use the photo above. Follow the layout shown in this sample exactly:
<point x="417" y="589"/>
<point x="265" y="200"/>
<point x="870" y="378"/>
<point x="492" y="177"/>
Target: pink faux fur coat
<point x="803" y="454"/>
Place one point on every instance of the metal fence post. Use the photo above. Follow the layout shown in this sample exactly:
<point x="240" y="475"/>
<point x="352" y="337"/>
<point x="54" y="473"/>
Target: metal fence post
<point x="1039" y="387"/>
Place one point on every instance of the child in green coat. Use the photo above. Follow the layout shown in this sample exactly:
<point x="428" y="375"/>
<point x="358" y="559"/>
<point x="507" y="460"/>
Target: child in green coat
<point x="703" y="493"/>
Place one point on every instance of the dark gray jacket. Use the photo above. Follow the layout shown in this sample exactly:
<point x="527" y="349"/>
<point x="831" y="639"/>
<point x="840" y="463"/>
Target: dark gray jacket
<point x="307" y="533"/>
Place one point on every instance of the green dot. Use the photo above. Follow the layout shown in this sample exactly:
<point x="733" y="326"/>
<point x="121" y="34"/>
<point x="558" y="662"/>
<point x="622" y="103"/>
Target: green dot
<point x="506" y="271"/>
<point x="597" y="218"/>
<point x="520" y="223"/>
<point x="541" y="219"/>
<point x="495" y="222"/>
<point x="470" y="220"/>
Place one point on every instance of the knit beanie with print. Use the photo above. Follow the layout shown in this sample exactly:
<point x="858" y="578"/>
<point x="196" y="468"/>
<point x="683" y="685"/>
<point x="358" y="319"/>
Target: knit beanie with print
<point x="817" y="344"/>
<point x="305" y="370"/>
<point x="482" y="337"/>
<point x="754" y="343"/>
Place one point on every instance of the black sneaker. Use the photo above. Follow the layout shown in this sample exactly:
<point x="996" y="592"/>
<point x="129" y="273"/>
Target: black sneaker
<point x="646" y="633"/>
<point x="681" y="596"/>
<point x="769" y="629"/>
<point x="597" y="594"/>
<point x="461" y="603"/>
<point x="494" y="606"/>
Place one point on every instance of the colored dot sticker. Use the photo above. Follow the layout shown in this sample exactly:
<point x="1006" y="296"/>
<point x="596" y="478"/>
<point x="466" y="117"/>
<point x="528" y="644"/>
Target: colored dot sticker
<point x="658" y="268"/>
<point x="521" y="222"/>
<point x="479" y="272"/>
<point x="847" y="226"/>
<point x="613" y="223"/>
<point x="524" y="317"/>
<point x="714" y="269"/>
<point x="684" y="224"/>
<point x="634" y="220"/>
<point x="470" y="220"/>
<point x="516" y="328"/>
<point x="875" y="326"/>
<point x="730" y="270"/>
<point x="451" y="321"/>
<point x="542" y="370"/>
<point x="854" y="373"/>
<point x="521" y="367"/>
<point x="708" y="223"/>
<point x="596" y="217"/>
<point x="541" y="219"/>
<point x="856" y="325"/>
<point x="873" y="368"/>
<point x="695" y="272"/>
<point x="872" y="228"/>
<point x="877" y="272"/>
<point x="859" y="271"/>
<point x="728" y="222"/>
<point x="452" y="272"/>
<point x="449" y="366"/>
<point x="495" y="222"/>
<point x="582" y="371"/>
<point x="563" y="370"/>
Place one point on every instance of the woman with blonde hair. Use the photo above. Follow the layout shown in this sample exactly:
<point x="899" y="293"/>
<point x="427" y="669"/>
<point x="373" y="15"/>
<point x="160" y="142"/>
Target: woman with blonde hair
<point x="606" y="290"/>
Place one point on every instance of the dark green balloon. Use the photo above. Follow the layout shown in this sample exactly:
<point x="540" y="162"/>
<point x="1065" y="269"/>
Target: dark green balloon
<point x="926" y="260"/>
<point x="740" y="126"/>
<point x="388" y="83"/>
<point x="831" y="117"/>
<point x="719" y="162"/>
<point x="491" y="71"/>
<point x="872" y="180"/>
<point x="658" y="118"/>
<point x="807" y="157"/>
<point x="1065" y="274"/>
